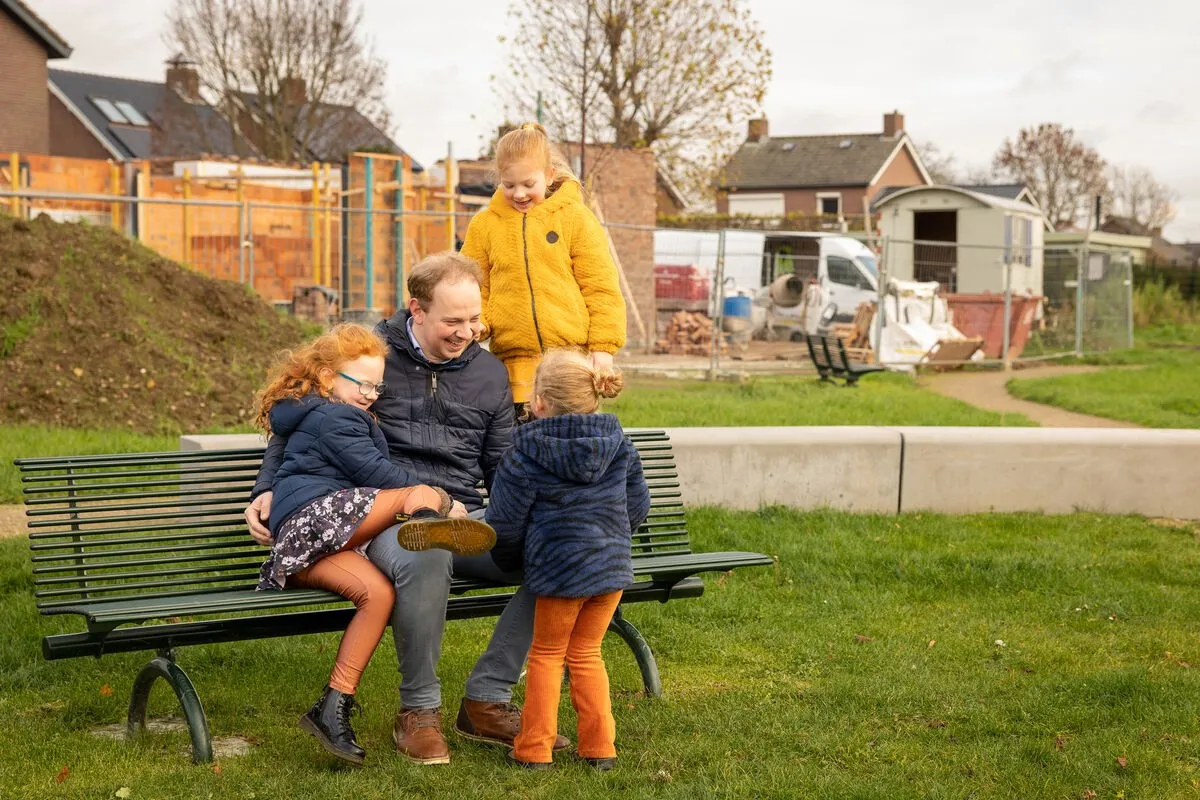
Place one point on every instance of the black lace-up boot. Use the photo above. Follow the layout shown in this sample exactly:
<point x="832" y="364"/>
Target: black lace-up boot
<point x="329" y="721"/>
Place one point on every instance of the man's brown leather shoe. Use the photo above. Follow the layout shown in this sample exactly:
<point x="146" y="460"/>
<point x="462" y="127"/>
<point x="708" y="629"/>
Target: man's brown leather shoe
<point x="418" y="736"/>
<point x="494" y="723"/>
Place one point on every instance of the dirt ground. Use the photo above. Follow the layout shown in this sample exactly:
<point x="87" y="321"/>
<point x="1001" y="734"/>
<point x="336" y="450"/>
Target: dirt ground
<point x="97" y="331"/>
<point x="12" y="521"/>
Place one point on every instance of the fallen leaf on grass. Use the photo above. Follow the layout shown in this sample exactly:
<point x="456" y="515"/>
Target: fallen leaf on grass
<point x="1184" y="664"/>
<point x="123" y="792"/>
<point x="860" y="638"/>
<point x="932" y="642"/>
<point x="1088" y="794"/>
<point x="216" y="769"/>
<point x="106" y="690"/>
<point x="62" y="774"/>
<point x="936" y="723"/>
<point x="1058" y="743"/>
<point x="1122" y="762"/>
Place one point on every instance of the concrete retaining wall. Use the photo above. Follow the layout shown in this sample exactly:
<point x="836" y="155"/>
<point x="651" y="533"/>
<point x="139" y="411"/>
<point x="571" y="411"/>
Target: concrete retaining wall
<point x="1056" y="470"/>
<point x="850" y="468"/>
<point x="952" y="470"/>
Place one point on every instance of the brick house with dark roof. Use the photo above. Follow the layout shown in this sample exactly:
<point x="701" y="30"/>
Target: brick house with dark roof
<point x="835" y="175"/>
<point x="26" y="44"/>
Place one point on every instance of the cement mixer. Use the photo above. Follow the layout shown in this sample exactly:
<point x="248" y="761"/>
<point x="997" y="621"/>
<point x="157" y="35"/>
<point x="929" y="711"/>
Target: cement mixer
<point x="842" y="274"/>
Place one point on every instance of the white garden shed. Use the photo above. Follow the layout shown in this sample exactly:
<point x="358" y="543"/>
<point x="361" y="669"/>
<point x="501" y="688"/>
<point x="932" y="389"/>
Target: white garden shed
<point x="963" y="237"/>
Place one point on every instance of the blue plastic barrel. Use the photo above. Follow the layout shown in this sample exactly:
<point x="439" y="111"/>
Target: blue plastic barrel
<point x="736" y="306"/>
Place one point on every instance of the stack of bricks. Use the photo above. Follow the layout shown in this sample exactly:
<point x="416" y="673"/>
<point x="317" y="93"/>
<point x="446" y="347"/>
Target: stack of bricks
<point x="688" y="333"/>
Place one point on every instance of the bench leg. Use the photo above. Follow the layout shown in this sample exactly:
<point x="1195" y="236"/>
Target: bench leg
<point x="641" y="651"/>
<point x="164" y="667"/>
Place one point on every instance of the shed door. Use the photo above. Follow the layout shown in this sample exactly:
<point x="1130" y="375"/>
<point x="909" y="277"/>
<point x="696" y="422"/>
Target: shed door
<point x="936" y="262"/>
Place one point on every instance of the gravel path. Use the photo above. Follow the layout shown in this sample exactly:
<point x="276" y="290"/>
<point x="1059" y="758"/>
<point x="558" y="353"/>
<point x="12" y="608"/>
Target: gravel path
<point x="987" y="390"/>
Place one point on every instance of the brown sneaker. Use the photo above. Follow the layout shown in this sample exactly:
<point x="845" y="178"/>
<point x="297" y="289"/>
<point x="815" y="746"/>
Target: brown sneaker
<point x="494" y="723"/>
<point x="418" y="736"/>
<point x="425" y="530"/>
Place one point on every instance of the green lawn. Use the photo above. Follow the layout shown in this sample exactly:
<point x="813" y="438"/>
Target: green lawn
<point x="884" y="399"/>
<point x="879" y="400"/>
<point x="990" y="656"/>
<point x="1156" y="384"/>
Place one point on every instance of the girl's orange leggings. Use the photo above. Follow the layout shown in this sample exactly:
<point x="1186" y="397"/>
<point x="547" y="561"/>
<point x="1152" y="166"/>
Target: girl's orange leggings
<point x="568" y="630"/>
<point x="355" y="578"/>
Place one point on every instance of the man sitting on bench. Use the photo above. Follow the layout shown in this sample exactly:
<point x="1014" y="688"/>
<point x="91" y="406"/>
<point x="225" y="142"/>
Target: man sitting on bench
<point x="447" y="415"/>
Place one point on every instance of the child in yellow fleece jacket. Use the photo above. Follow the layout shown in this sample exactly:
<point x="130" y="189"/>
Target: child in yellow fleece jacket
<point x="548" y="279"/>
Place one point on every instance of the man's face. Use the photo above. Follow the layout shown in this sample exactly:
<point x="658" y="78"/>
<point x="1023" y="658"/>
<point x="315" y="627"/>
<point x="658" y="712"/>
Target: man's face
<point x="451" y="322"/>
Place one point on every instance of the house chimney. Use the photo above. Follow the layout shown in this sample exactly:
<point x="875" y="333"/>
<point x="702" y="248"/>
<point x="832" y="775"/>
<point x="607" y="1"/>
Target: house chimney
<point x="893" y="124"/>
<point x="292" y="91"/>
<point x="757" y="130"/>
<point x="183" y="79"/>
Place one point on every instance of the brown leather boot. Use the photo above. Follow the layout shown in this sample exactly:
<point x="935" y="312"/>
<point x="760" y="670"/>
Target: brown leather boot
<point x="418" y="736"/>
<point x="494" y="723"/>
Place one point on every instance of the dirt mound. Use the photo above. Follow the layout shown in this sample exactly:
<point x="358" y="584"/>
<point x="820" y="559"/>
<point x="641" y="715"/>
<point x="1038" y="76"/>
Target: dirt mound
<point x="97" y="331"/>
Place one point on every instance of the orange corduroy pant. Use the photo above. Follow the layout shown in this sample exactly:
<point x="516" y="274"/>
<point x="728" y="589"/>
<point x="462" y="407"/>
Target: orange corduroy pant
<point x="568" y="630"/>
<point x="355" y="578"/>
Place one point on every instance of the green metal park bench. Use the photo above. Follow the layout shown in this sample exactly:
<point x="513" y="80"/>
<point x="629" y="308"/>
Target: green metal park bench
<point x="151" y="550"/>
<point x="828" y="354"/>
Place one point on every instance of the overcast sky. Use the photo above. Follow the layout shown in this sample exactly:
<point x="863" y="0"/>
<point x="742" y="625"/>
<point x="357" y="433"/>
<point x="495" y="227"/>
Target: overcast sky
<point x="1125" y="75"/>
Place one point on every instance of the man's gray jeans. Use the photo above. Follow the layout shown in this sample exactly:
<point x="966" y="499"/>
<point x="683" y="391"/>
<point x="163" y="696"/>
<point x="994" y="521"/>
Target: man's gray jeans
<point x="422" y="581"/>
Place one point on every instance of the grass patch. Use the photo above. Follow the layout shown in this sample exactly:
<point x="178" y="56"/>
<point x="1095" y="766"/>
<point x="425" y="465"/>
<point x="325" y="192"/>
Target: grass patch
<point x="989" y="656"/>
<point x="885" y="399"/>
<point x="1163" y="393"/>
<point x="35" y="441"/>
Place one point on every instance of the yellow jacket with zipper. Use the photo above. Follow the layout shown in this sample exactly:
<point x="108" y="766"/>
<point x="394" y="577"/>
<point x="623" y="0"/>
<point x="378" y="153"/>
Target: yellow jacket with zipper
<point x="548" y="281"/>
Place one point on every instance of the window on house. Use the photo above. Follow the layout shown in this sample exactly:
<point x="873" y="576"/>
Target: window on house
<point x="108" y="110"/>
<point x="134" y="116"/>
<point x="829" y="204"/>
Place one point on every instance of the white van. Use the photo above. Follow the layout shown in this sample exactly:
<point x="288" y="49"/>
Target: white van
<point x="819" y="280"/>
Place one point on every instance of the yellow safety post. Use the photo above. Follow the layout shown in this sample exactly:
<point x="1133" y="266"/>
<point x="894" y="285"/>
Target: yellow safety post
<point x="114" y="187"/>
<point x="315" y="226"/>
<point x="327" y="251"/>
<point x="14" y="177"/>
<point x="187" y="222"/>
<point x="450" y="195"/>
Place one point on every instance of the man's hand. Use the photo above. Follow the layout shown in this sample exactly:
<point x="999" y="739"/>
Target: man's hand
<point x="457" y="510"/>
<point x="257" y="514"/>
<point x="601" y="362"/>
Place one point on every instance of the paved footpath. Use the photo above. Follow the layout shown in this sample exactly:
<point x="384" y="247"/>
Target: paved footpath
<point x="987" y="390"/>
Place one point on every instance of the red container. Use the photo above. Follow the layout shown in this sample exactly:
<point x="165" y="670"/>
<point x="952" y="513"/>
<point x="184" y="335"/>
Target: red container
<point x="983" y="315"/>
<point x="679" y="283"/>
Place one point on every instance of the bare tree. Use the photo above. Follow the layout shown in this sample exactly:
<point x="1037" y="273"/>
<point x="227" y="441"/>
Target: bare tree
<point x="678" y="76"/>
<point x="284" y="71"/>
<point x="1135" y="194"/>
<point x="942" y="167"/>
<point x="1061" y="171"/>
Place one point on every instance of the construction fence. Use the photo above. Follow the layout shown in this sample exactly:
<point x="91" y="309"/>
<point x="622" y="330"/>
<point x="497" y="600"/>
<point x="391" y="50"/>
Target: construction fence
<point x="738" y="297"/>
<point x="336" y="241"/>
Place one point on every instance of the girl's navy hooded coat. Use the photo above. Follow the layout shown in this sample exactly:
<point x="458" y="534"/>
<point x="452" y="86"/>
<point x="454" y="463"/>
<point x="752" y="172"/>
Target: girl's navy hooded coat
<point x="330" y="446"/>
<point x="566" y="498"/>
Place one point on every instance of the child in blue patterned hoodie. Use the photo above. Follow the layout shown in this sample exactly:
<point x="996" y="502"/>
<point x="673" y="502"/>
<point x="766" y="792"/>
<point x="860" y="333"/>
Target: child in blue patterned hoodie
<point x="565" y="501"/>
